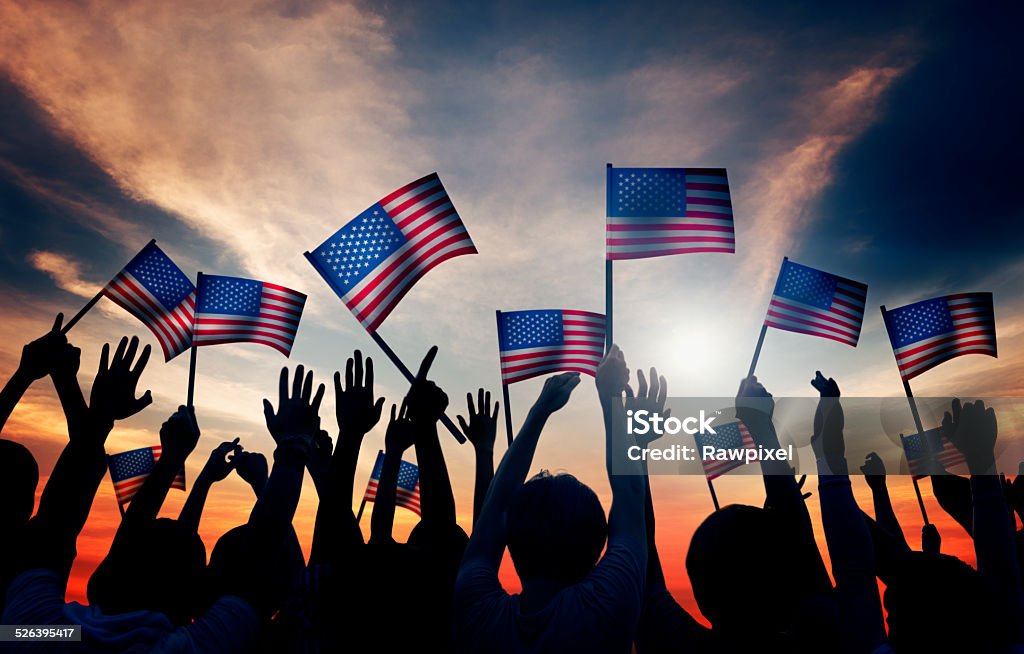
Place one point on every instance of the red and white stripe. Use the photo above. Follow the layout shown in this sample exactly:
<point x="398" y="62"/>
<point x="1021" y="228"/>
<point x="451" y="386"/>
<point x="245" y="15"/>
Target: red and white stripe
<point x="715" y="468"/>
<point x="276" y="324"/>
<point x="974" y="332"/>
<point x="947" y="457"/>
<point x="172" y="328"/>
<point x="126" y="489"/>
<point x="840" y="322"/>
<point x="434" y="233"/>
<point x="582" y="348"/>
<point x="408" y="499"/>
<point x="706" y="227"/>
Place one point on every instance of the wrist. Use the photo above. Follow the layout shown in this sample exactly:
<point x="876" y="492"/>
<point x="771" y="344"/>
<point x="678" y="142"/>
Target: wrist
<point x="22" y="378"/>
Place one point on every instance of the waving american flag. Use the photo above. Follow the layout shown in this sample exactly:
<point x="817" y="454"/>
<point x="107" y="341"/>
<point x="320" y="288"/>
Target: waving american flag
<point x="129" y="470"/>
<point x="407" y="492"/>
<point x="536" y="342"/>
<point x="809" y="301"/>
<point x="732" y="437"/>
<point x="923" y="450"/>
<point x="373" y="261"/>
<point x="238" y="310"/>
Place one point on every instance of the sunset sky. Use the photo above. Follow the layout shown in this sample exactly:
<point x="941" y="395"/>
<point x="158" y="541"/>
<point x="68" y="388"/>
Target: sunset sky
<point x="883" y="145"/>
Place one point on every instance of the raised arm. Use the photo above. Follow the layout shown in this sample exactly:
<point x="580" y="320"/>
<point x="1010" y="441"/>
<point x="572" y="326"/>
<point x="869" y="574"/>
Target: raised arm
<point x="217" y="468"/>
<point x="885" y="517"/>
<point x="427" y="403"/>
<point x="481" y="431"/>
<point x="488" y="539"/>
<point x="400" y="436"/>
<point x="38" y="359"/>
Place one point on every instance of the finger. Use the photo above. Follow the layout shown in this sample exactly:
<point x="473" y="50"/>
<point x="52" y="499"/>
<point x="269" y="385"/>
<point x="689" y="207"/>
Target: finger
<point x="140" y="365"/>
<point x="318" y="397"/>
<point x="662" y="391"/>
<point x="480" y="401"/>
<point x="957" y="407"/>
<point x="487" y="403"/>
<point x="142" y="402"/>
<point x="574" y="381"/>
<point x="629" y="391"/>
<point x="463" y="425"/>
<point x="129" y="353"/>
<point x="497" y="405"/>
<point x="368" y="378"/>
<point x="282" y="385"/>
<point x="119" y="352"/>
<point x="307" y="386"/>
<point x="358" y="378"/>
<point x="349" y="374"/>
<point x="469" y="403"/>
<point x="377" y="408"/>
<point x="404" y="410"/>
<point x="300" y="373"/>
<point x="57" y="322"/>
<point x="337" y="384"/>
<point x="268" y="411"/>
<point x="427" y="362"/>
<point x="393" y="409"/>
<point x="105" y="358"/>
<point x="641" y="383"/>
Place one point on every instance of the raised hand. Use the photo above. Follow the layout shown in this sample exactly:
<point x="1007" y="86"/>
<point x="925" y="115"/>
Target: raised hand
<point x="426" y="401"/>
<point x="556" y="391"/>
<point x="41" y="356"/>
<point x="297" y="413"/>
<point x="648" y="398"/>
<point x="319" y="462"/>
<point x="179" y="435"/>
<point x="829" y="421"/>
<point x="753" y="400"/>
<point x="972" y="429"/>
<point x="401" y="434"/>
<point x="482" y="427"/>
<point x="253" y="468"/>
<point x="356" y="409"/>
<point x="612" y="376"/>
<point x="222" y="460"/>
<point x="113" y="392"/>
<point x="874" y="470"/>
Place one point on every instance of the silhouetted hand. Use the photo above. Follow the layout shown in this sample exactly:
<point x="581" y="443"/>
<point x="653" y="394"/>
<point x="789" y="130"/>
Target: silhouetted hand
<point x="828" y="423"/>
<point x="320" y="457"/>
<point x="931" y="541"/>
<point x="179" y="435"/>
<point x="66" y="363"/>
<point x="113" y="392"/>
<point x="222" y="460"/>
<point x="298" y="413"/>
<point x="401" y="434"/>
<point x="356" y="409"/>
<point x="482" y="428"/>
<point x="39" y="358"/>
<point x="874" y="471"/>
<point x="650" y="399"/>
<point x="253" y="468"/>
<point x="612" y="376"/>
<point x="556" y="391"/>
<point x="972" y="429"/>
<point x="426" y="402"/>
<point x="753" y="401"/>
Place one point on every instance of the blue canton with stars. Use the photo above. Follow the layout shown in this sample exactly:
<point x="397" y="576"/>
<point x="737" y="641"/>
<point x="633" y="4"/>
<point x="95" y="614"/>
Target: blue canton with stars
<point x="528" y="329"/>
<point x="160" y="276"/>
<point x="914" y="447"/>
<point x="131" y="464"/>
<point x="727" y="436"/>
<point x="358" y="248"/>
<point x="408" y="473"/>
<point x="806" y="285"/>
<point x="647" y="193"/>
<point x="229" y="295"/>
<point x="916" y="322"/>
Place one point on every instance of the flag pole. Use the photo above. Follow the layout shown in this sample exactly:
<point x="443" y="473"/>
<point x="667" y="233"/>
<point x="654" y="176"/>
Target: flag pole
<point x="192" y="354"/>
<point x="917" y="487"/>
<point x="607" y="263"/>
<point x="714" y="495"/>
<point x="504" y="386"/>
<point x="91" y="303"/>
<point x="411" y="378"/>
<point x="764" y="330"/>
<point x="913" y="411"/>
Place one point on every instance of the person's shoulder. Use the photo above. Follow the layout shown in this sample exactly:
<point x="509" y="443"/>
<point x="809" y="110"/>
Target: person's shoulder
<point x="34" y="593"/>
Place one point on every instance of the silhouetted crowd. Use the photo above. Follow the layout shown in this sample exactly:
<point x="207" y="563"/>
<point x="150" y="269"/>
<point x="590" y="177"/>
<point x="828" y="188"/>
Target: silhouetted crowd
<point x="592" y="581"/>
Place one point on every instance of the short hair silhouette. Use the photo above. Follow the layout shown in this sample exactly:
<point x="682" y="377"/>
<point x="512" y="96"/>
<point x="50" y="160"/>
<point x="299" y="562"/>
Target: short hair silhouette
<point x="744" y="556"/>
<point x="19" y="476"/>
<point x="556" y="528"/>
<point x="154" y="566"/>
<point x="940" y="604"/>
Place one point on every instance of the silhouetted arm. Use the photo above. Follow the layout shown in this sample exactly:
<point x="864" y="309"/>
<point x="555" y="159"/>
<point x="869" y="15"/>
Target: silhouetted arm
<point x="178" y="437"/>
<point x="217" y="468"/>
<point x="874" y="475"/>
<point x="427" y="403"/>
<point x="38" y="359"/>
<point x="481" y="430"/>
<point x="954" y="496"/>
<point x="400" y="436"/>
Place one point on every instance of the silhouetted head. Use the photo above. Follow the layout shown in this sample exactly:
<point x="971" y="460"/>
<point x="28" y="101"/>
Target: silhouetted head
<point x="939" y="604"/>
<point x="19" y="476"/>
<point x="556" y="528"/>
<point x="261" y="572"/>
<point x="745" y="572"/>
<point x="157" y="566"/>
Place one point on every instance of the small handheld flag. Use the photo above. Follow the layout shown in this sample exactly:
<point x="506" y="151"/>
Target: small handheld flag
<point x="731" y="437"/>
<point x="408" y="489"/>
<point x="129" y="470"/>
<point x="377" y="257"/>
<point x="154" y="290"/>
<point x="927" y="333"/>
<point x="237" y="310"/>
<point x="931" y="446"/>
<point x="541" y="341"/>
<point x="810" y="301"/>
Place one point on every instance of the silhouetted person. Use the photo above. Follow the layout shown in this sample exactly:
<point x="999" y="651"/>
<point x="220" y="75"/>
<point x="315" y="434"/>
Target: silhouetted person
<point x="555" y="530"/>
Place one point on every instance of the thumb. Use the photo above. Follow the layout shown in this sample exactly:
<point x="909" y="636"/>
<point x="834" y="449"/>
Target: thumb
<point x="378" y="407"/>
<point x="268" y="410"/>
<point x="142" y="402"/>
<point x="465" y="427"/>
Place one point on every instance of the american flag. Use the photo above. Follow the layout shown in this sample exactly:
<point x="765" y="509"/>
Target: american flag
<point x="549" y="340"/>
<point x="373" y="261"/>
<point x="128" y="471"/>
<point x="408" y="489"/>
<point x="927" y="333"/>
<point x="809" y="301"/>
<point x="155" y="291"/>
<point x="653" y="212"/>
<point x="728" y="436"/>
<point x="237" y="310"/>
<point x="933" y="446"/>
